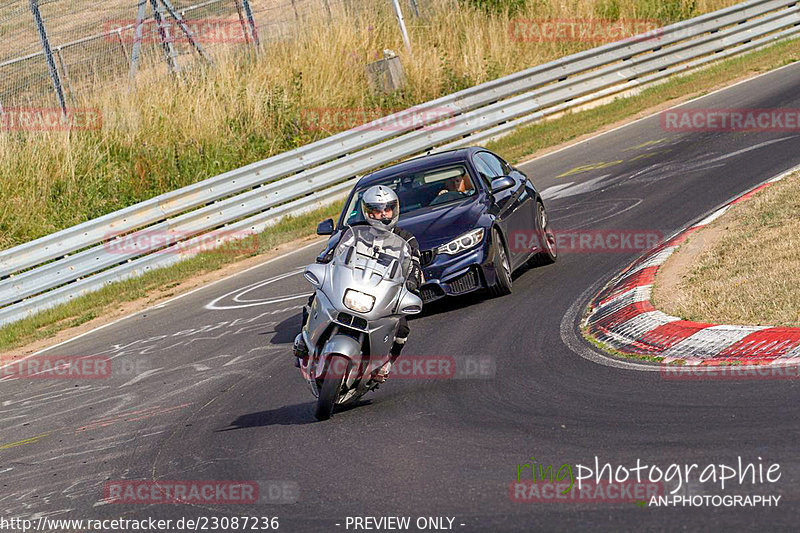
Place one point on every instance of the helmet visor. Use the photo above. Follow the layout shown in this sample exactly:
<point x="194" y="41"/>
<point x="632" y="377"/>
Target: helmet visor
<point x="381" y="210"/>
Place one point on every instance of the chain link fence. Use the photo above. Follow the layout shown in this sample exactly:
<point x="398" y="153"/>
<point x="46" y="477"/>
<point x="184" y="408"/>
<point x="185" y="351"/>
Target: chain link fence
<point x="52" y="51"/>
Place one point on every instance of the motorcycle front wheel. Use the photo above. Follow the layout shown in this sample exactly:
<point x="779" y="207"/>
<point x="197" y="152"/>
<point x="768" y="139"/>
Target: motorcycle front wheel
<point x="331" y="386"/>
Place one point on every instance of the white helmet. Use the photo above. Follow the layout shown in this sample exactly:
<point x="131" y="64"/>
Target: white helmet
<point x="375" y="202"/>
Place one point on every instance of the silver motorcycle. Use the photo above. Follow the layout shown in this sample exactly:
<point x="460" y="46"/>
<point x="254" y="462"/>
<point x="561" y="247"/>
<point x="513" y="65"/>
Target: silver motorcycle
<point x="361" y="295"/>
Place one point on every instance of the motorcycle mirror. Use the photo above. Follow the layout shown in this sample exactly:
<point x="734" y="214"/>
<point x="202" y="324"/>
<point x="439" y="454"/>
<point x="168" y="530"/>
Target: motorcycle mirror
<point x="315" y="274"/>
<point x="410" y="304"/>
<point x="325" y="227"/>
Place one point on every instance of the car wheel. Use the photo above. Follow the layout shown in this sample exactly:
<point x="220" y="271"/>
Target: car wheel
<point x="547" y="238"/>
<point x="502" y="265"/>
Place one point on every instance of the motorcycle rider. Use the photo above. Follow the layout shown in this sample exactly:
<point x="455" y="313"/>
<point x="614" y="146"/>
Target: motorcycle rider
<point x="381" y="209"/>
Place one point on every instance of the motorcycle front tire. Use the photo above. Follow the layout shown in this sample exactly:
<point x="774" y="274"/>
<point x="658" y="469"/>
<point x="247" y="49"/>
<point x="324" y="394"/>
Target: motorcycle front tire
<point x="331" y="387"/>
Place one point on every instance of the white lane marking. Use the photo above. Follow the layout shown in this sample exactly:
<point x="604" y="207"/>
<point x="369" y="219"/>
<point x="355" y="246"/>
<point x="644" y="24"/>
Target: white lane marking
<point x="241" y="292"/>
<point x="162" y="304"/>
<point x="712" y="93"/>
<point x="551" y="191"/>
<point x="574" y="189"/>
<point x="214" y="305"/>
<point x="748" y="149"/>
<point x="712" y="217"/>
<point x="657" y="259"/>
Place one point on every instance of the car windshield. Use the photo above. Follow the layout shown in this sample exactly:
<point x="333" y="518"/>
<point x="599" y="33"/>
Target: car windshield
<point x="418" y="190"/>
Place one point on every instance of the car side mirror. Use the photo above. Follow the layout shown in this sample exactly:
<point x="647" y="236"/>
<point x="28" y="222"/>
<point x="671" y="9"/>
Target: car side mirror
<point x="325" y="227"/>
<point x="502" y="183"/>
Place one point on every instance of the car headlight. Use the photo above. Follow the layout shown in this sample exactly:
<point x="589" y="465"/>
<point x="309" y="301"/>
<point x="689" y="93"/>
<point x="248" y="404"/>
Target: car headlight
<point x="464" y="242"/>
<point x="358" y="301"/>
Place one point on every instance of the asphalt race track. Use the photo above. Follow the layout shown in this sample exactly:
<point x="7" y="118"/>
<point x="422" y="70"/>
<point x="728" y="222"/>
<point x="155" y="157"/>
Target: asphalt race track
<point x="203" y="387"/>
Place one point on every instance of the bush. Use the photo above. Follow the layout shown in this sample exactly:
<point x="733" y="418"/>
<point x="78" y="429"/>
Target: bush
<point x="496" y="6"/>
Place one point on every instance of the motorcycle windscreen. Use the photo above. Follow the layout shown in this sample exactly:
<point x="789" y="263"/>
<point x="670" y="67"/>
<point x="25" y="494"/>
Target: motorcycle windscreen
<point x="373" y="255"/>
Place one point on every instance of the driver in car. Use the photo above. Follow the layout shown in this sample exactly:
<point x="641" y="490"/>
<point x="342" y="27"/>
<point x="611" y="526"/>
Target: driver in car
<point x="381" y="208"/>
<point x="459" y="183"/>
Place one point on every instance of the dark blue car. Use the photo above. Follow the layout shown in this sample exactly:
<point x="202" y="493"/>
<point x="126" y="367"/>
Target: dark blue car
<point x="476" y="218"/>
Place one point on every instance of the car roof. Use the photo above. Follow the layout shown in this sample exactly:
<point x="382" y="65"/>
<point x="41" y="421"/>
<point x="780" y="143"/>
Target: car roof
<point x="460" y="155"/>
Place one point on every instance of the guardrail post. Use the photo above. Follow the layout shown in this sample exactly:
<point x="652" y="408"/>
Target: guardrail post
<point x="241" y="21"/>
<point x="402" y="23"/>
<point x="185" y="29"/>
<point x="65" y="72"/>
<point x="137" y="39"/>
<point x="253" y="28"/>
<point x="166" y="39"/>
<point x="48" y="53"/>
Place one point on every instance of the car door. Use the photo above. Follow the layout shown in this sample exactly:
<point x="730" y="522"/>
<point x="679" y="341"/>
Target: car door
<point x="512" y="203"/>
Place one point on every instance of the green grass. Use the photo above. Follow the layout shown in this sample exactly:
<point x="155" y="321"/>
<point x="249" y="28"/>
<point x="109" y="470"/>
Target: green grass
<point x="623" y="355"/>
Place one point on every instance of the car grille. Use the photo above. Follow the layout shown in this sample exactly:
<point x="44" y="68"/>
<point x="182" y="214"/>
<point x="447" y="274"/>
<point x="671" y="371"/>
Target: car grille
<point x="426" y="257"/>
<point x="349" y="320"/>
<point x="430" y="292"/>
<point x="464" y="283"/>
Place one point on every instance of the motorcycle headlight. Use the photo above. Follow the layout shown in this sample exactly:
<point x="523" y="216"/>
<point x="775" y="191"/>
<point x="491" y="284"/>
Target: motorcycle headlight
<point x="464" y="242"/>
<point x="358" y="301"/>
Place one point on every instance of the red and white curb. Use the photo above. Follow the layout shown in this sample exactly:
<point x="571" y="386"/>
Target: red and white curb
<point x="622" y="317"/>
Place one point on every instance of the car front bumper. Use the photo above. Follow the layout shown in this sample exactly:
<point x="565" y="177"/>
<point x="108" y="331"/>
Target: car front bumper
<point x="454" y="275"/>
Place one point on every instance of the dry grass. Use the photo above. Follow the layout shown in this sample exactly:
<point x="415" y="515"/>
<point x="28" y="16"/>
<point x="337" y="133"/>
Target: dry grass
<point x="749" y="275"/>
<point x="174" y="132"/>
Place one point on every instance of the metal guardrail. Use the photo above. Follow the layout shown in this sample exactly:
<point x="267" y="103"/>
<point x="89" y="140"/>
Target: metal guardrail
<point x="59" y="267"/>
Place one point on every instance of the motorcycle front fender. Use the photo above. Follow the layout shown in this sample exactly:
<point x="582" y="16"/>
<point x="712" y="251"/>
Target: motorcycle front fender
<point x="341" y="345"/>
